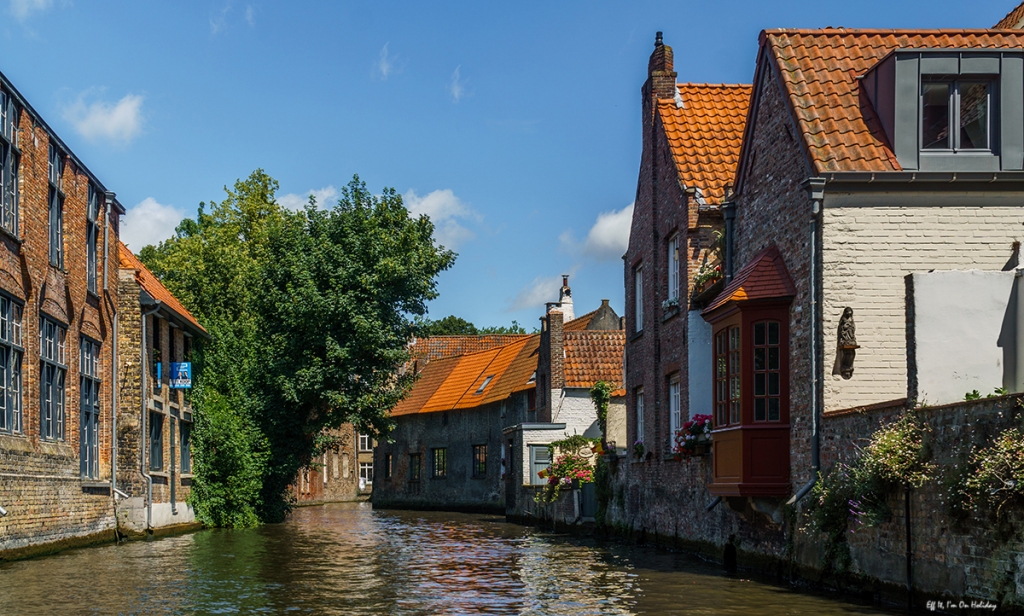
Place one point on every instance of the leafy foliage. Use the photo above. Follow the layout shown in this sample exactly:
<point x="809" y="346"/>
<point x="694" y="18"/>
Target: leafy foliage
<point x="601" y="396"/>
<point x="895" y="456"/>
<point x="993" y="481"/>
<point x="573" y="460"/>
<point x="452" y="325"/>
<point x="309" y="313"/>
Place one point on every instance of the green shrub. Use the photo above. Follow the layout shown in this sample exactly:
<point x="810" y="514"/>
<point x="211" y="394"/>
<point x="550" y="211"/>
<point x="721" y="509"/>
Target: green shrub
<point x="993" y="481"/>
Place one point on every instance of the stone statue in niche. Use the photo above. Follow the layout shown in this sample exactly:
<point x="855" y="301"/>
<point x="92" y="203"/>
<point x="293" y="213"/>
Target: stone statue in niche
<point x="846" y="346"/>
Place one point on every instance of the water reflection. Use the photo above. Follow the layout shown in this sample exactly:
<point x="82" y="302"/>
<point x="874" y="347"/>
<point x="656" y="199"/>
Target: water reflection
<point x="349" y="559"/>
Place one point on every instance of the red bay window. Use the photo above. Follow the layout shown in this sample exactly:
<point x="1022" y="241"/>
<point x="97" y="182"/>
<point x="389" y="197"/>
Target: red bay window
<point x="750" y="321"/>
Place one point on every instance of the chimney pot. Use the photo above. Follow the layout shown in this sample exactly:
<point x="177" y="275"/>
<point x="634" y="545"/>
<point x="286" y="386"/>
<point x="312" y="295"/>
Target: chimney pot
<point x="604" y="302"/>
<point x="657" y="40"/>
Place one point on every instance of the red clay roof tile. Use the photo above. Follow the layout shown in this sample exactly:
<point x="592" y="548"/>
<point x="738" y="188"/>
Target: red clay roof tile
<point x="820" y="69"/>
<point x="705" y="133"/>
<point x="152" y="285"/>
<point x="592" y="356"/>
<point x="764" y="277"/>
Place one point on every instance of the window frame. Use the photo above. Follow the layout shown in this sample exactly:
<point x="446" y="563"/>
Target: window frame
<point x="55" y="212"/>
<point x="767" y="346"/>
<point x="365" y="442"/>
<point x="953" y="117"/>
<point x="366" y="472"/>
<point x="538" y="463"/>
<point x="185" y="446"/>
<point x="12" y="353"/>
<point x="673" y="268"/>
<point x="10" y="160"/>
<point x="52" y="379"/>
<point x="156" y="441"/>
<point x="479" y="461"/>
<point x="92" y="216"/>
<point x="638" y="403"/>
<point x="415" y="466"/>
<point x="744" y="322"/>
<point x="439" y="463"/>
<point x="638" y="298"/>
<point x="89" y="387"/>
<point x="675" y="410"/>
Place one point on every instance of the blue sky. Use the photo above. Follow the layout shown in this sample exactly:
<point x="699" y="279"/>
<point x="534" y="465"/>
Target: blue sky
<point x="516" y="126"/>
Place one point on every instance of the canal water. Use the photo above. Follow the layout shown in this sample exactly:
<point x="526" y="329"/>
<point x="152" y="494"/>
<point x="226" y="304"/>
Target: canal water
<point x="350" y="559"/>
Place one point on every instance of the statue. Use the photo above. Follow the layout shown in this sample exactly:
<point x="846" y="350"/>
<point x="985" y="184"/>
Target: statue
<point x="846" y="345"/>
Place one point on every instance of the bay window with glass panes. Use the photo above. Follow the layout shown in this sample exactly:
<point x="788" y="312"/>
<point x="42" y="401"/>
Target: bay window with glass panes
<point x="750" y="346"/>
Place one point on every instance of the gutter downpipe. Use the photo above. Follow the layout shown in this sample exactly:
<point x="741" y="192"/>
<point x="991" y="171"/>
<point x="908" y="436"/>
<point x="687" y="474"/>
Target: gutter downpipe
<point x="145" y="409"/>
<point x="816" y="189"/>
<point x="109" y="202"/>
<point x="729" y="214"/>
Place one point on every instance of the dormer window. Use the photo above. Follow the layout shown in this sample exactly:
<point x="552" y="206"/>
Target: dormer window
<point x="962" y="104"/>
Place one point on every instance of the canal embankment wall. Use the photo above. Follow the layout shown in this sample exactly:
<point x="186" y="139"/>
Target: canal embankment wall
<point x="665" y="502"/>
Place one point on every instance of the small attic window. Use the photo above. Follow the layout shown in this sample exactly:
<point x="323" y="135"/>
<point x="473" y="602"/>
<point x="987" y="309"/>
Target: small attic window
<point x="962" y="105"/>
<point x="533" y="377"/>
<point x="487" y="381"/>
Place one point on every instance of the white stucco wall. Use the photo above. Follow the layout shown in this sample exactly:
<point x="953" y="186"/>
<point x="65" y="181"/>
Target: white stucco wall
<point x="869" y="245"/>
<point x="964" y="333"/>
<point x="701" y="364"/>
<point x="616" y="422"/>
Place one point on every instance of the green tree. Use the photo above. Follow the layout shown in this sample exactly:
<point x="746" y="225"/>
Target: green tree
<point x="309" y="317"/>
<point x="451" y="325"/>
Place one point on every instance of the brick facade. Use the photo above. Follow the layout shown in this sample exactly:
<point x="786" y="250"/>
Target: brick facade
<point x="334" y="476"/>
<point x="48" y="500"/>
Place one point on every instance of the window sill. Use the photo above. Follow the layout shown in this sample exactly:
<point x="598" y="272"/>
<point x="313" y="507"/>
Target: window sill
<point x="186" y="475"/>
<point x="95" y="485"/>
<point x="14" y="238"/>
<point x="670" y="313"/>
<point x="163" y="474"/>
<point x="636" y="335"/>
<point x="92" y="295"/>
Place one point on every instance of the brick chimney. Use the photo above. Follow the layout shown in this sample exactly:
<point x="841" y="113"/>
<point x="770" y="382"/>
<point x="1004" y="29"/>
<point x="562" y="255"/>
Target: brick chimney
<point x="661" y="78"/>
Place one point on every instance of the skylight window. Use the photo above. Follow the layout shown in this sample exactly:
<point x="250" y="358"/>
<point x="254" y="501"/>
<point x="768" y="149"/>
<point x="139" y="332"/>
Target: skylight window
<point x="484" y="385"/>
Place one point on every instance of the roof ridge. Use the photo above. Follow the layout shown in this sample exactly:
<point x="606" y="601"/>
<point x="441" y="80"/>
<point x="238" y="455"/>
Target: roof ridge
<point x="891" y="31"/>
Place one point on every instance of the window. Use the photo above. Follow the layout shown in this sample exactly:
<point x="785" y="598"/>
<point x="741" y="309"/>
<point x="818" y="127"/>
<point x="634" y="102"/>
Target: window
<point x="479" y="461"/>
<point x="439" y="468"/>
<point x="366" y="472"/>
<point x="767" y="375"/>
<point x="89" y="407"/>
<point x="640" y="414"/>
<point x="673" y="268"/>
<point x="52" y="370"/>
<point x="185" y="430"/>
<point x="487" y="381"/>
<point x="56" y="212"/>
<point x="414" y="466"/>
<point x="365" y="442"/>
<point x="638" y="298"/>
<point x="92" y="236"/>
<point x="10" y="365"/>
<point x="156" y="441"/>
<point x="727" y="376"/>
<point x="157" y="359"/>
<point x="8" y="163"/>
<point x="388" y="470"/>
<point x="955" y="115"/>
<point x="674" y="412"/>
<point x="540" y="459"/>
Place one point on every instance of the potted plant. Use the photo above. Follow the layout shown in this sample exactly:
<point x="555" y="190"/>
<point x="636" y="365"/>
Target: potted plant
<point x="694" y="438"/>
<point x="638" y="449"/>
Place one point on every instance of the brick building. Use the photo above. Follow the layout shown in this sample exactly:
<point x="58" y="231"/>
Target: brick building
<point x="869" y="160"/>
<point x="58" y="324"/>
<point x="154" y="420"/>
<point x="340" y="474"/>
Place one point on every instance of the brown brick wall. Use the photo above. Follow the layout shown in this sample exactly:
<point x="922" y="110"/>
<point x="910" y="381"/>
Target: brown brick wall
<point x="47" y="501"/>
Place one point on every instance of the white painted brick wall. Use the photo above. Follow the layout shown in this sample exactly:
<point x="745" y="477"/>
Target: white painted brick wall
<point x="866" y="252"/>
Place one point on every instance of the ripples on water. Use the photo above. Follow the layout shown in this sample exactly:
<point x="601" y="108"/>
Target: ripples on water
<point x="349" y="559"/>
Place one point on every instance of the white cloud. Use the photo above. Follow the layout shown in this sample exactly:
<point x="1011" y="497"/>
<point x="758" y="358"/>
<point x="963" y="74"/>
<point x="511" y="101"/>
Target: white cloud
<point x="23" y="9"/>
<point x="385" y="64"/>
<point x="250" y="18"/>
<point x="120" y="122"/>
<point x="219" y="20"/>
<point x="607" y="240"/>
<point x="458" y="84"/>
<point x="325" y="197"/>
<point x="445" y="211"/>
<point x="149" y="222"/>
<point x="541" y="290"/>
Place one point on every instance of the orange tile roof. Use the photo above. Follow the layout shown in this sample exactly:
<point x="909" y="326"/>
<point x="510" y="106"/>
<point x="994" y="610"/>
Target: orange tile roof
<point x="819" y="71"/>
<point x="764" y="277"/>
<point x="452" y="383"/>
<point x="436" y="347"/>
<point x="1013" y="20"/>
<point x="705" y="134"/>
<point x="152" y="285"/>
<point x="579" y="323"/>
<point x="592" y="356"/>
